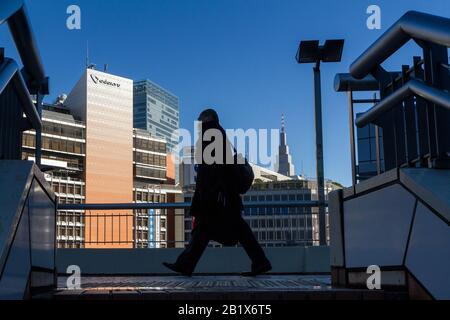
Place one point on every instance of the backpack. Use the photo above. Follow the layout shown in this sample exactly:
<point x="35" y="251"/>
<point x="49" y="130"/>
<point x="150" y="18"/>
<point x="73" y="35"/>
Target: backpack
<point x="242" y="174"/>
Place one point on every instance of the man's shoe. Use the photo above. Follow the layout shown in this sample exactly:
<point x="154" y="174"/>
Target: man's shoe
<point x="258" y="270"/>
<point x="175" y="268"/>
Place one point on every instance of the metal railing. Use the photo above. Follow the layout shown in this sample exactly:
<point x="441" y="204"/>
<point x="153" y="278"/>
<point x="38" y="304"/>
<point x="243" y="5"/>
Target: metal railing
<point x="103" y="226"/>
<point x="180" y="205"/>
<point x="413" y="111"/>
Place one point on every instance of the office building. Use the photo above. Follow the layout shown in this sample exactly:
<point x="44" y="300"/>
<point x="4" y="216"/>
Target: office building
<point x="282" y="226"/>
<point x="152" y="183"/>
<point x="157" y="111"/>
<point x="64" y="150"/>
<point x="92" y="154"/>
<point x="105" y="103"/>
<point x="273" y="226"/>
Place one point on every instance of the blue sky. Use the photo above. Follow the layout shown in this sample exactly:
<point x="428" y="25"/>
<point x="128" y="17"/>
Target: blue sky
<point x="234" y="55"/>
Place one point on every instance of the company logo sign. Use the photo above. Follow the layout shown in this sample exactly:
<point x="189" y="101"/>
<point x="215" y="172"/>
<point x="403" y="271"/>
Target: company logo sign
<point x="106" y="82"/>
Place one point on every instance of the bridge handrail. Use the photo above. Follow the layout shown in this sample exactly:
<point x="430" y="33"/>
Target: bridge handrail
<point x="412" y="87"/>
<point x="179" y="205"/>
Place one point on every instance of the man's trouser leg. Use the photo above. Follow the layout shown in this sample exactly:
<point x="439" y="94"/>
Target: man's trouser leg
<point x="250" y="244"/>
<point x="191" y="255"/>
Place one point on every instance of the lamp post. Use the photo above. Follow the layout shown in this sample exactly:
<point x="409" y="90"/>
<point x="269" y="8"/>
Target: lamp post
<point x="312" y="52"/>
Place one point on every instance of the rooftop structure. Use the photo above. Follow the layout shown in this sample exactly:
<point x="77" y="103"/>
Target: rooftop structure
<point x="284" y="159"/>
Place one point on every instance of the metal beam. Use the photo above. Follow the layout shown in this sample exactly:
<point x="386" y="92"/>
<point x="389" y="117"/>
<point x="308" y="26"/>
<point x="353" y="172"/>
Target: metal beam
<point x="413" y="87"/>
<point x="181" y="205"/>
<point x="351" y="125"/>
<point x="413" y="25"/>
<point x="10" y="74"/>
<point x="344" y="82"/>
<point x="13" y="11"/>
<point x="8" y="8"/>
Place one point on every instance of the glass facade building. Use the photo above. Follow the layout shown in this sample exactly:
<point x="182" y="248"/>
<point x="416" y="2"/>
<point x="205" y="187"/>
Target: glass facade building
<point x="157" y="111"/>
<point x="367" y="152"/>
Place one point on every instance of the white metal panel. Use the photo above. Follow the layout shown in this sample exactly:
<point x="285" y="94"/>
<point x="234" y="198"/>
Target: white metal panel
<point x="428" y="257"/>
<point x="377" y="226"/>
<point x="50" y="162"/>
<point x="15" y="180"/>
<point x="13" y="281"/>
<point x="336" y="243"/>
<point x="42" y="217"/>
<point x="432" y="186"/>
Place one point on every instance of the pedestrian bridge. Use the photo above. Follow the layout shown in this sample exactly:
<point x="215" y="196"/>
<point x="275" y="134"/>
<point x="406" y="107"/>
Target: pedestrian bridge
<point x="396" y="218"/>
<point x="32" y="267"/>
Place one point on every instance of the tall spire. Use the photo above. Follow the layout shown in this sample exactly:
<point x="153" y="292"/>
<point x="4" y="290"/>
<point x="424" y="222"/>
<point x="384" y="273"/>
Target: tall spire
<point x="284" y="159"/>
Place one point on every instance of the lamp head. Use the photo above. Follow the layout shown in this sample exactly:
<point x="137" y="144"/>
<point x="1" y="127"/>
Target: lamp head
<point x="311" y="51"/>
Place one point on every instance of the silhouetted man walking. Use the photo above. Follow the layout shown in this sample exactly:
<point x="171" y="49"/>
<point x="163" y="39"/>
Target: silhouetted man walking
<point x="217" y="207"/>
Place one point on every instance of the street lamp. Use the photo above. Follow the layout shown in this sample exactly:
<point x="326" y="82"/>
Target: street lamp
<point x="312" y="52"/>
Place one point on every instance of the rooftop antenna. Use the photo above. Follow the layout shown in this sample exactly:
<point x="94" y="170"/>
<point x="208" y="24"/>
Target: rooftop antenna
<point x="87" y="54"/>
<point x="89" y="65"/>
<point x="283" y="128"/>
<point x="303" y="171"/>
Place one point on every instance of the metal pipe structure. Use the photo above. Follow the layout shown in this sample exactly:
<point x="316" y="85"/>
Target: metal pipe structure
<point x="344" y="82"/>
<point x="9" y="71"/>
<point x="412" y="25"/>
<point x="377" y="144"/>
<point x="351" y="121"/>
<point x="181" y="205"/>
<point x="8" y="8"/>
<point x="38" y="105"/>
<point x="413" y="87"/>
<point x="13" y="11"/>
<point x="411" y="116"/>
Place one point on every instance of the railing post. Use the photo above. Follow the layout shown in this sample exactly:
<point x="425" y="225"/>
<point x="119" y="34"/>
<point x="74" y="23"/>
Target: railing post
<point x="399" y="123"/>
<point x="438" y="117"/>
<point x="351" y="124"/>
<point x="410" y="123"/>
<point x="421" y="114"/>
<point x="386" y="122"/>
<point x="377" y="142"/>
<point x="38" y="150"/>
